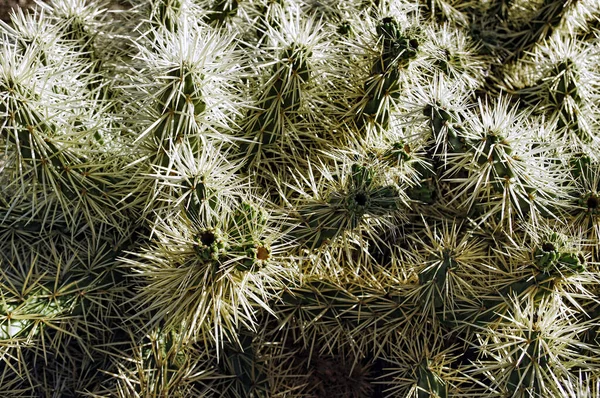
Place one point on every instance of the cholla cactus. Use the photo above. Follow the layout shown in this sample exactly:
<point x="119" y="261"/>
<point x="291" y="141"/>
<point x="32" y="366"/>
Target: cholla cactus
<point x="532" y="349"/>
<point x="300" y="198"/>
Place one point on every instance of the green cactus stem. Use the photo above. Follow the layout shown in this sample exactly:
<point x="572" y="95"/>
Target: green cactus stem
<point x="445" y="127"/>
<point x="436" y="276"/>
<point x="345" y="210"/>
<point x="527" y="374"/>
<point x="210" y="245"/>
<point x="223" y="10"/>
<point x="281" y="100"/>
<point x="383" y="84"/>
<point x="429" y="383"/>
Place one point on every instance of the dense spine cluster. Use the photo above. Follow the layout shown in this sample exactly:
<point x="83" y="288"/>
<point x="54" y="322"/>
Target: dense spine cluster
<point x="297" y="198"/>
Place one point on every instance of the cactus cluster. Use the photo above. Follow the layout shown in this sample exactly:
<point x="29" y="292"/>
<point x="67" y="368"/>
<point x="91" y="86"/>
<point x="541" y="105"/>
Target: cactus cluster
<point x="300" y="198"/>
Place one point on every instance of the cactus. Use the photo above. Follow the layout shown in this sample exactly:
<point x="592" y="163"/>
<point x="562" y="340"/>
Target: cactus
<point x="300" y="198"/>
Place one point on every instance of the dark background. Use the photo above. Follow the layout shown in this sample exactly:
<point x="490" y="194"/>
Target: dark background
<point x="7" y="5"/>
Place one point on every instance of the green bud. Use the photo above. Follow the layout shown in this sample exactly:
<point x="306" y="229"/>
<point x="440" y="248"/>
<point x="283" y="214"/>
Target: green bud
<point x="591" y="201"/>
<point x="546" y="257"/>
<point x="344" y="29"/>
<point x="550" y="259"/>
<point x="210" y="245"/>
<point x="257" y="256"/>
<point x="572" y="263"/>
<point x="398" y="153"/>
